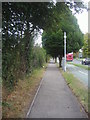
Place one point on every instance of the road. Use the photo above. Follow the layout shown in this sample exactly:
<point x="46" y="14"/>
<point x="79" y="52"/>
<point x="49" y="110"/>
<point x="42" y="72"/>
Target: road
<point x="80" y="73"/>
<point x="55" y="99"/>
<point x="77" y="61"/>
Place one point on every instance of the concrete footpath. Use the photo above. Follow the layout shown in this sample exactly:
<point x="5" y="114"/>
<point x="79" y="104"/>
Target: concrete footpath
<point x="55" y="99"/>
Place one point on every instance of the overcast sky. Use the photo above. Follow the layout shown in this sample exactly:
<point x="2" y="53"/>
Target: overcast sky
<point x="83" y="19"/>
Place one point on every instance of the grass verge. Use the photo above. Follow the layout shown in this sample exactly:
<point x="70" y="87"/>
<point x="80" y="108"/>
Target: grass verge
<point x="80" y="91"/>
<point x="81" y="66"/>
<point x="18" y="102"/>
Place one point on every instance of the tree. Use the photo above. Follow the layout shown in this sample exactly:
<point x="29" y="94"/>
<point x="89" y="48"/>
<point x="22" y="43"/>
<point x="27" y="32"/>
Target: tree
<point x="20" y="21"/>
<point x="53" y="40"/>
<point x="86" y="46"/>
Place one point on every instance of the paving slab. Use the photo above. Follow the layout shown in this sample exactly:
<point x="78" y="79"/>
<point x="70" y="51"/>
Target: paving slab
<point x="55" y="99"/>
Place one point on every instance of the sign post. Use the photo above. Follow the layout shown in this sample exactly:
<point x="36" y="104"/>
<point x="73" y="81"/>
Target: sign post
<point x="64" y="51"/>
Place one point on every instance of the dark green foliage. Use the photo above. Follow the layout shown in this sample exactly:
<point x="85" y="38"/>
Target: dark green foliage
<point x="19" y="23"/>
<point x="38" y="57"/>
<point x="86" y="46"/>
<point x="20" y="20"/>
<point x="53" y="43"/>
<point x="53" y="39"/>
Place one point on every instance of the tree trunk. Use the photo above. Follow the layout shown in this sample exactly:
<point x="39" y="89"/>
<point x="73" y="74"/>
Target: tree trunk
<point x="27" y="46"/>
<point x="60" y="60"/>
<point x="46" y="58"/>
<point x="55" y="59"/>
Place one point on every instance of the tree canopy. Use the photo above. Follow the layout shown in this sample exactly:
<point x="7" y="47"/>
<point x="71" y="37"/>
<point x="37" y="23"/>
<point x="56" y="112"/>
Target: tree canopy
<point x="20" y="23"/>
<point x="86" y="46"/>
<point x="53" y="39"/>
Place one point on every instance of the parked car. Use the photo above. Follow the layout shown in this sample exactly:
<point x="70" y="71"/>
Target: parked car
<point x="86" y="61"/>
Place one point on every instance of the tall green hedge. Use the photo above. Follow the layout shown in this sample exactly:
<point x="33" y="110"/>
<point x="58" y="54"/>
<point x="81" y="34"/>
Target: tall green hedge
<point x="15" y="63"/>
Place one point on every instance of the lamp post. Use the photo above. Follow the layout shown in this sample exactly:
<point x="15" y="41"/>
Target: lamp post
<point x="64" y="51"/>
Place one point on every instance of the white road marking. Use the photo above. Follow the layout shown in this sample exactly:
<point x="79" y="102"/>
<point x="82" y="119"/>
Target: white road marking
<point x="83" y="72"/>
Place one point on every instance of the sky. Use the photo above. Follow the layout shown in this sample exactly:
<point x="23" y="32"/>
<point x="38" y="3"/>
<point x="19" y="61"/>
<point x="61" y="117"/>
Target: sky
<point x="82" y="19"/>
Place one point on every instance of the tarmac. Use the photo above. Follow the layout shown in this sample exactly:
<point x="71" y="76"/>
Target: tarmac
<point x="54" y="99"/>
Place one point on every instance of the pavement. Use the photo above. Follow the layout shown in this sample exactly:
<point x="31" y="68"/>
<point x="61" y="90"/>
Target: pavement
<point x="54" y="98"/>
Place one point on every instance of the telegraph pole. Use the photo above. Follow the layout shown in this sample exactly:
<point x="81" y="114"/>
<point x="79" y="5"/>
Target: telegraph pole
<point x="64" y="51"/>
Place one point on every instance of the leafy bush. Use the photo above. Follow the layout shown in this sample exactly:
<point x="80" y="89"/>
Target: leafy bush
<point x="38" y="56"/>
<point x="16" y="63"/>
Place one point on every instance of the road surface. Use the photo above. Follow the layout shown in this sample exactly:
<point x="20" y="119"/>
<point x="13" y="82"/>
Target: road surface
<point x="55" y="99"/>
<point x="77" y="61"/>
<point x="80" y="73"/>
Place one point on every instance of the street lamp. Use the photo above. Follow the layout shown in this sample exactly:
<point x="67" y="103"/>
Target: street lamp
<point x="65" y="51"/>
